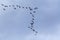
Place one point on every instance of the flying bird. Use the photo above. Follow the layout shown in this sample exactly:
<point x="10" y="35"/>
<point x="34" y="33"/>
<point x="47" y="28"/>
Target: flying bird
<point x="36" y="8"/>
<point x="13" y="5"/>
<point x="26" y="7"/>
<point x="32" y="26"/>
<point x="30" y="13"/>
<point x="19" y="6"/>
<point x="9" y="5"/>
<point x="22" y="7"/>
<point x="5" y="6"/>
<point x="33" y="29"/>
<point x="30" y="9"/>
<point x="2" y="4"/>
<point x="4" y="9"/>
<point x="36" y="31"/>
<point x="15" y="8"/>
<point x="34" y="11"/>
<point x="31" y="23"/>
<point x="33" y="19"/>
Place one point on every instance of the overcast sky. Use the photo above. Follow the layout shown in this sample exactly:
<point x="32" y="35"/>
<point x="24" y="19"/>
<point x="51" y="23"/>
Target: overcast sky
<point x="14" y="23"/>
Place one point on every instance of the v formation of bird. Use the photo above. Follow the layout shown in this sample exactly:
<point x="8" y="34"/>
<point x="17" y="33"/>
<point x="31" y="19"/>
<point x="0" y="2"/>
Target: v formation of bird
<point x="31" y="13"/>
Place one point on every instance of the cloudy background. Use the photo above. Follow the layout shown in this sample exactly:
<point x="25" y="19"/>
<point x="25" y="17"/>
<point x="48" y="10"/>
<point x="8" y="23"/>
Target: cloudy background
<point x="14" y="23"/>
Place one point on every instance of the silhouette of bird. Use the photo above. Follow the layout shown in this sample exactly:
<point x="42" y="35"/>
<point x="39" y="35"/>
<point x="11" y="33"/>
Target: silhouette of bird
<point x="28" y="27"/>
<point x="2" y="4"/>
<point x="33" y="19"/>
<point x="4" y="9"/>
<point x="9" y="5"/>
<point x="35" y="8"/>
<point x="13" y="5"/>
<point x="31" y="23"/>
<point x="34" y="11"/>
<point x="36" y="31"/>
<point x="5" y="6"/>
<point x="30" y="12"/>
<point x="19" y="6"/>
<point x="33" y="29"/>
<point x="22" y="7"/>
<point x="30" y="9"/>
<point x="32" y="15"/>
<point x="32" y="26"/>
<point x="15" y="8"/>
<point x="26" y="7"/>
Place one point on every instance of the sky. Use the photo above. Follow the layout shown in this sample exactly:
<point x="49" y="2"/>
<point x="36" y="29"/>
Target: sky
<point x="14" y="23"/>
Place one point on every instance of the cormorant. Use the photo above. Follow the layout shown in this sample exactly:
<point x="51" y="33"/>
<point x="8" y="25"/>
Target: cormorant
<point x="2" y="4"/>
<point x="5" y="6"/>
<point x="15" y="8"/>
<point x="9" y="5"/>
<point x="4" y="9"/>
<point x="34" y="11"/>
<point x="35" y="8"/>
<point x="30" y="8"/>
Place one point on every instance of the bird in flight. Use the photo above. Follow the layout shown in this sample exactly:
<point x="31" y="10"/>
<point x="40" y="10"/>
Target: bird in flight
<point x="4" y="9"/>
<point x="35" y="8"/>
<point x="14" y="8"/>
<point x="30" y="9"/>
<point x="2" y="4"/>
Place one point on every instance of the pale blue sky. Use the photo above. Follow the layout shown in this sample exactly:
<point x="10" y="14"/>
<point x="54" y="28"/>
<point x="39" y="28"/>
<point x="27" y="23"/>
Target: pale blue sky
<point x="14" y="23"/>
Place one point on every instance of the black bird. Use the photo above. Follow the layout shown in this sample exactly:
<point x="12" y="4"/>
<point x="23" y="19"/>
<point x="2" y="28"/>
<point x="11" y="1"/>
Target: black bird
<point x="2" y="4"/>
<point x="19" y="6"/>
<point x="13" y="5"/>
<point x="30" y="13"/>
<point x="15" y="8"/>
<point x="26" y="7"/>
<point x="28" y="27"/>
<point x="9" y="5"/>
<point x="30" y="9"/>
<point x="34" y="11"/>
<point x="5" y="6"/>
<point x="22" y="7"/>
<point x="33" y="29"/>
<point x="32" y="26"/>
<point x="31" y="23"/>
<point x="35" y="8"/>
<point x="36" y="31"/>
<point x="4" y="9"/>
<point x="33" y="19"/>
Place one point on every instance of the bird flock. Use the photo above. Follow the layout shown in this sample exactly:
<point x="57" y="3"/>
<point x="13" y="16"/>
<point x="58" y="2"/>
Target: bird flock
<point x="32" y="12"/>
